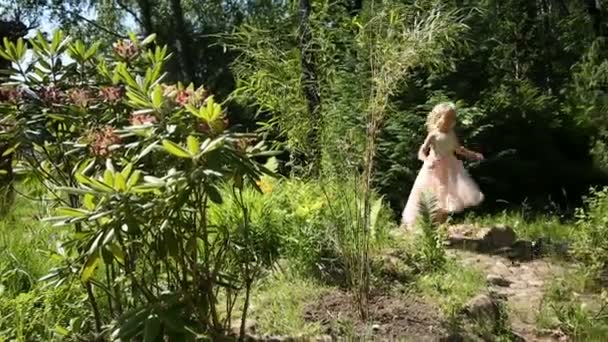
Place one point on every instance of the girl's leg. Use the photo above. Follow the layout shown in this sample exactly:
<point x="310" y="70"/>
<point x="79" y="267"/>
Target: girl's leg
<point x="441" y="216"/>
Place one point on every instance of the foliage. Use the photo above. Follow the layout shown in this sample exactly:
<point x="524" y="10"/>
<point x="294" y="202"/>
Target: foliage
<point x="565" y="309"/>
<point x="431" y="250"/>
<point x="279" y="304"/>
<point x="133" y="166"/>
<point x="48" y="314"/>
<point x="314" y="220"/>
<point x="451" y="287"/>
<point x="590" y="241"/>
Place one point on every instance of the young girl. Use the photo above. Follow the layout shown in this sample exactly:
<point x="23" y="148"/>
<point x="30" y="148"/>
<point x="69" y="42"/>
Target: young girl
<point x="442" y="175"/>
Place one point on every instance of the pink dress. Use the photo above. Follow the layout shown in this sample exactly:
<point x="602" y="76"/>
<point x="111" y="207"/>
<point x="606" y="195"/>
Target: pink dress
<point x="444" y="177"/>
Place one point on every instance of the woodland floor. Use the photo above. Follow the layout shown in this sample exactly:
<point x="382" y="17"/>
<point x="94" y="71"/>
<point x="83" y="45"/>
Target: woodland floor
<point x="407" y="313"/>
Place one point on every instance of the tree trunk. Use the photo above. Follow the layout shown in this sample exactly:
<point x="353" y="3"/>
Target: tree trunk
<point x="355" y="7"/>
<point x="145" y="7"/>
<point x="310" y="86"/>
<point x="594" y="8"/>
<point x="182" y="42"/>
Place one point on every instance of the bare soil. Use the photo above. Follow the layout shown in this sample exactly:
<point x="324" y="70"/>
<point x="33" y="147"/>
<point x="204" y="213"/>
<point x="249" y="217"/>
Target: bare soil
<point x="391" y="316"/>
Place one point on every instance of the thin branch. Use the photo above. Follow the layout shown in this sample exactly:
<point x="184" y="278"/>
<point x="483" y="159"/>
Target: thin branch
<point x="126" y="8"/>
<point x="95" y="24"/>
<point x="77" y="16"/>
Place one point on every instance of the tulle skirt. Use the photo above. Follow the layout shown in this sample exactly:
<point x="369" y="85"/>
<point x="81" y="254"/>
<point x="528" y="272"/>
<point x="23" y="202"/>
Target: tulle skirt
<point x="446" y="180"/>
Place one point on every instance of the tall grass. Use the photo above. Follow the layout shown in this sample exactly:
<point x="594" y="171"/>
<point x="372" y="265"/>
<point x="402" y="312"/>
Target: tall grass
<point x="25" y="246"/>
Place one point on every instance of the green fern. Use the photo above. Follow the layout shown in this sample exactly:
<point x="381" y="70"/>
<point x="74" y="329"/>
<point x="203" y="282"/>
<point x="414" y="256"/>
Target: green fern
<point x="432" y="251"/>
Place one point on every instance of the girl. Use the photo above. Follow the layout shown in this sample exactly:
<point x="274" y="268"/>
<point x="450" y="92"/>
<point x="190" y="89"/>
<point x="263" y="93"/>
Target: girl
<point x="442" y="175"/>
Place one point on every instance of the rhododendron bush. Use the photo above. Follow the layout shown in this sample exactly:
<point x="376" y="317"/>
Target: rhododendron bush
<point x="132" y="165"/>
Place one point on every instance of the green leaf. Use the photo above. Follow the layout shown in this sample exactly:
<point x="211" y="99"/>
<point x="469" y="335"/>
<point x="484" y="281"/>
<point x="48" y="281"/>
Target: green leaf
<point x="157" y="97"/>
<point x="146" y="150"/>
<point x="74" y="191"/>
<point x="145" y="188"/>
<point x="123" y="72"/>
<point x="108" y="177"/>
<point x="119" y="182"/>
<point x="21" y="49"/>
<point x="134" y="179"/>
<point x="100" y="186"/>
<point x="5" y="54"/>
<point x="118" y="254"/>
<point x="132" y="324"/>
<point x="272" y="164"/>
<point x="149" y="39"/>
<point x="10" y="150"/>
<point x="92" y="50"/>
<point x="214" y="194"/>
<point x="61" y="330"/>
<point x="89" y="201"/>
<point x="89" y="267"/>
<point x="152" y="328"/>
<point x="173" y="322"/>
<point x="126" y="171"/>
<point x="212" y="145"/>
<point x="175" y="149"/>
<point x="211" y="111"/>
<point x="82" y="179"/>
<point x="72" y="212"/>
<point x="194" y="146"/>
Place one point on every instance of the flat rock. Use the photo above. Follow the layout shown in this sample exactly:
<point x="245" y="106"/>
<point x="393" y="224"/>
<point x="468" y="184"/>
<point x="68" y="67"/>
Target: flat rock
<point x="484" y="239"/>
<point x="497" y="237"/>
<point x="498" y="280"/>
<point x="522" y="250"/>
<point x="482" y="306"/>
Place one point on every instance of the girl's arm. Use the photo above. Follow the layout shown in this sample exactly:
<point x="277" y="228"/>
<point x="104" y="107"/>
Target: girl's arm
<point x="463" y="151"/>
<point x="423" y="152"/>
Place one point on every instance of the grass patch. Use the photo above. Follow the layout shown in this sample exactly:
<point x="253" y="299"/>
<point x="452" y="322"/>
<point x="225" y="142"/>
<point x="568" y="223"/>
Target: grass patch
<point x="567" y="307"/>
<point x="24" y="246"/>
<point x="278" y="305"/>
<point x="531" y="228"/>
<point x="451" y="287"/>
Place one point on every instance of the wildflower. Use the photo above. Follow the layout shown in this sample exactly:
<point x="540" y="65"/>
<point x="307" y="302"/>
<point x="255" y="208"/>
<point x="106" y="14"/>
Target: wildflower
<point x="10" y="95"/>
<point x="169" y="90"/>
<point x="51" y="95"/>
<point x="80" y="97"/>
<point x="198" y="97"/>
<point x="101" y="140"/>
<point x="126" y="49"/>
<point x="182" y="97"/>
<point x="186" y="96"/>
<point x="139" y="119"/>
<point x="111" y="95"/>
<point x="242" y="144"/>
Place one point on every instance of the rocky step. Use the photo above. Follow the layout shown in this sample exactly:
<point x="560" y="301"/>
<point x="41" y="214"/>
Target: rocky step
<point x="500" y="240"/>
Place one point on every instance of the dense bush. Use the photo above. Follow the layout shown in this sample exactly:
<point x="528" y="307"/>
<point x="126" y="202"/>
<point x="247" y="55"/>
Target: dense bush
<point x="132" y="167"/>
<point x="46" y="314"/>
<point x="591" y="237"/>
<point x="306" y="222"/>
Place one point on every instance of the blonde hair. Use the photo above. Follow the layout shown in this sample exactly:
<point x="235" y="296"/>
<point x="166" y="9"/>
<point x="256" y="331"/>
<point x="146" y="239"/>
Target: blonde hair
<point x="438" y="111"/>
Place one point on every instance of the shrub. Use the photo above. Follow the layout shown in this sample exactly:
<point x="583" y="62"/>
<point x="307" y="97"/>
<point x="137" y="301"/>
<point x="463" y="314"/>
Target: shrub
<point x="133" y="166"/>
<point x="45" y="314"/>
<point x="312" y="217"/>
<point x="591" y="235"/>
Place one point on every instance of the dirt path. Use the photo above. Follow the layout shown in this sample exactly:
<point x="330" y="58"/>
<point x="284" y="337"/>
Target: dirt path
<point x="522" y="284"/>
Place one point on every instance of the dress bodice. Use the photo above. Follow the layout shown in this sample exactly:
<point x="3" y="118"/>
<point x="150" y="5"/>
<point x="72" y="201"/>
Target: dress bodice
<point x="444" y="144"/>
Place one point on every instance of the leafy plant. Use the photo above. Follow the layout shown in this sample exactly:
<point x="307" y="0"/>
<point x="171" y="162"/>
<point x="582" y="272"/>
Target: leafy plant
<point x="432" y="252"/>
<point x="133" y="166"/>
